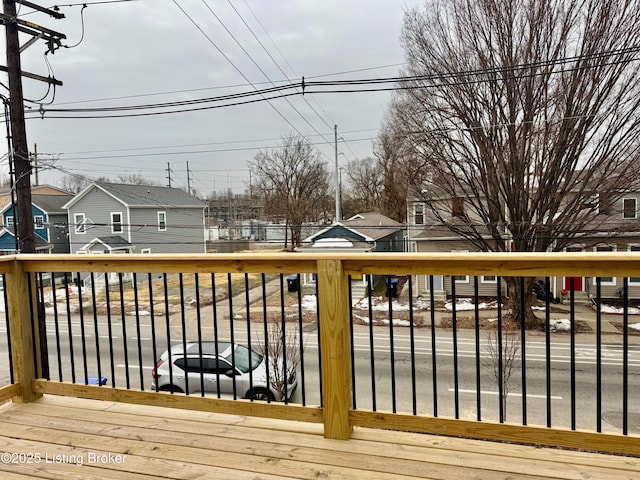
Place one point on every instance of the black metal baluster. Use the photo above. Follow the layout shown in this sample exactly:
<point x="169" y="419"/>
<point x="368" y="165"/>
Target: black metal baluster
<point x="392" y="347"/>
<point x="247" y="301"/>
<point x="523" y="356"/>
<point x="110" y="329"/>
<point x="82" y="333"/>
<point x="372" y="349"/>
<point x="598" y="354"/>
<point x="476" y="312"/>
<point x="547" y="335"/>
<point x="301" y="341"/>
<point x="625" y="356"/>
<point x="454" y="320"/>
<point x="42" y="327"/>
<point x="412" y="340"/>
<point x="124" y="330"/>
<point x="353" y="356"/>
<point x="54" y="301"/>
<point x="137" y="306"/>
<point x="183" y="322"/>
<point x="167" y="315"/>
<point x="199" y="327"/>
<point x="501" y="398"/>
<point x="319" y="344"/>
<point x="284" y="337"/>
<point x="572" y="320"/>
<point x="215" y="329"/>
<point x="69" y="327"/>
<point x="34" y="328"/>
<point x="95" y="328"/>
<point x="232" y="336"/>
<point x="152" y="314"/>
<point x="434" y="363"/>
<point x="267" y="345"/>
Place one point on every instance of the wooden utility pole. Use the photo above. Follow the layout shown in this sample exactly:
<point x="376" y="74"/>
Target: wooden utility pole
<point x="19" y="152"/>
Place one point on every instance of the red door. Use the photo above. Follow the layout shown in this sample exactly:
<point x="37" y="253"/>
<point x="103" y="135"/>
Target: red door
<point x="577" y="283"/>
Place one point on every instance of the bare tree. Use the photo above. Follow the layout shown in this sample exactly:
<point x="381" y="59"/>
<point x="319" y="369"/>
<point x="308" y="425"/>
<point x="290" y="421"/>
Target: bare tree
<point x="294" y="183"/>
<point x="365" y="184"/>
<point x="525" y="110"/>
<point x="282" y="352"/>
<point x="504" y="350"/>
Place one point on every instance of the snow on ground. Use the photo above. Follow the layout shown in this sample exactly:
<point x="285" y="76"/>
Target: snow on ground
<point x="635" y="326"/>
<point x="381" y="304"/>
<point x="384" y="321"/>
<point x="559" y="325"/>
<point x="619" y="311"/>
<point x="465" y="304"/>
<point x="309" y="302"/>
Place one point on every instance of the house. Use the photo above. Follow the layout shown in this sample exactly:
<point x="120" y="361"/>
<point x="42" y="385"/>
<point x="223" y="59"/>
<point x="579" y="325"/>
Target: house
<point x="50" y="222"/>
<point x="364" y="232"/>
<point x="614" y="228"/>
<point x="111" y="217"/>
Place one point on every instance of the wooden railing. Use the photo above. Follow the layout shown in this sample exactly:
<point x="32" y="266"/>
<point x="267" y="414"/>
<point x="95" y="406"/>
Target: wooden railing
<point x="332" y="272"/>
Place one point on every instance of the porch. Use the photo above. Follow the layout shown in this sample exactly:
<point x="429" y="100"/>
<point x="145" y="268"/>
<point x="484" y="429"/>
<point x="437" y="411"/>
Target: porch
<point x="67" y="437"/>
<point x="396" y="400"/>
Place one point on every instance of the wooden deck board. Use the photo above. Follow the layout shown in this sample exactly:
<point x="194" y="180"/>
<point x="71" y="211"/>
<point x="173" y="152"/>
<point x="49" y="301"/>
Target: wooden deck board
<point x="168" y="443"/>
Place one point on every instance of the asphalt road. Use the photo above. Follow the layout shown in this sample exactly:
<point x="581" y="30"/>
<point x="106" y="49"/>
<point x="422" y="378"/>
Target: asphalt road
<point x="402" y="385"/>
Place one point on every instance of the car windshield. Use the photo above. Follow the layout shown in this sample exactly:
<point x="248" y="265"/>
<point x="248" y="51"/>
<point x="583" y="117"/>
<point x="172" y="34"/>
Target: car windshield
<point x="242" y="358"/>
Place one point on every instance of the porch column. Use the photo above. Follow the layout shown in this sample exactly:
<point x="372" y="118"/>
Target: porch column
<point x="335" y="344"/>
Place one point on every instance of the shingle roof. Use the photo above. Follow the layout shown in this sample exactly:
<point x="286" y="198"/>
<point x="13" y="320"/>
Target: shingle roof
<point x="150" y="196"/>
<point x="51" y="203"/>
<point x="372" y="224"/>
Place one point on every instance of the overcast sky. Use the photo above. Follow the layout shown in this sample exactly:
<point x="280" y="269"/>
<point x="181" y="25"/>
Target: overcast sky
<point x="151" y="51"/>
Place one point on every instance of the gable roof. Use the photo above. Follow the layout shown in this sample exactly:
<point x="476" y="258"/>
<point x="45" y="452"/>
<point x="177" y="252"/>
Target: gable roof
<point x="51" y="203"/>
<point x="370" y="225"/>
<point x="142" y="196"/>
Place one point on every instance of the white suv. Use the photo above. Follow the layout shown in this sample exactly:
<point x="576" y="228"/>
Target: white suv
<point x="214" y="368"/>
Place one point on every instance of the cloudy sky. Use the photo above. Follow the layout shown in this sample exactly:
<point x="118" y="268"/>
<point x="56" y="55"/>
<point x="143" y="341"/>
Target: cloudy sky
<point x="154" y="51"/>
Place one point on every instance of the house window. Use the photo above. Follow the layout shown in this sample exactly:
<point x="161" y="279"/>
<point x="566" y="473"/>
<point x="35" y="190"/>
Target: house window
<point x="162" y="221"/>
<point x="634" y="280"/>
<point x="145" y="250"/>
<point x="460" y="278"/>
<point x="10" y="222"/>
<point x="629" y="208"/>
<point x="606" y="248"/>
<point x="489" y="279"/>
<point x="116" y="222"/>
<point x="78" y="221"/>
<point x="418" y="214"/>
<point x="38" y="222"/>
<point x="457" y="207"/>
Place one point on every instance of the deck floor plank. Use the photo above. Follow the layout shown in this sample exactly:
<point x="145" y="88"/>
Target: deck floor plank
<point x="162" y="442"/>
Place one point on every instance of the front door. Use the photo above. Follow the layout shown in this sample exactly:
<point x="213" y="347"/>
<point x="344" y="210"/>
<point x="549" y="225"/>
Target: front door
<point x="577" y="281"/>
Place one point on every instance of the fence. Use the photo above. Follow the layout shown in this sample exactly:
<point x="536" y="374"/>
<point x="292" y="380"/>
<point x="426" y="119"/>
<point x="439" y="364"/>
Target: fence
<point x="389" y="356"/>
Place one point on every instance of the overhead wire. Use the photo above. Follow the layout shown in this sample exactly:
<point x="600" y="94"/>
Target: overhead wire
<point x="377" y="85"/>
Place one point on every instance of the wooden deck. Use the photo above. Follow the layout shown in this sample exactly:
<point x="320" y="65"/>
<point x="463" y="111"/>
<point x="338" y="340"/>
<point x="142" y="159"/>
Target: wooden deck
<point x="66" y="437"/>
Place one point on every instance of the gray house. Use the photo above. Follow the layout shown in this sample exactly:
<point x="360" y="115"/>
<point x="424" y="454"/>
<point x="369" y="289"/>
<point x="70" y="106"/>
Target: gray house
<point x="119" y="218"/>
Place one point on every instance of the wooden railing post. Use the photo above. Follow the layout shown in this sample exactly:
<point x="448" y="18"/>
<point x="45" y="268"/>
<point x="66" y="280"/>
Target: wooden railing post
<point x="335" y="348"/>
<point x="22" y="345"/>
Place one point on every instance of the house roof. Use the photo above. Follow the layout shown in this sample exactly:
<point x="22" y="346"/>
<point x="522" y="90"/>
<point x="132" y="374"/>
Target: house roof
<point x="41" y="243"/>
<point x="142" y="196"/>
<point x="370" y="225"/>
<point x="112" y="242"/>
<point x="51" y="203"/>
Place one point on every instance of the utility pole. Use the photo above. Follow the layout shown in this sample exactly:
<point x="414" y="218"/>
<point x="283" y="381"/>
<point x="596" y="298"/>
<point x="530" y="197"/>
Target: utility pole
<point x="19" y="153"/>
<point x="338" y="212"/>
<point x="169" y="174"/>
<point x="188" y="179"/>
<point x="35" y="163"/>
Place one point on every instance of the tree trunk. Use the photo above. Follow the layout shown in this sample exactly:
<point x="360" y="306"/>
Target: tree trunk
<point x="521" y="297"/>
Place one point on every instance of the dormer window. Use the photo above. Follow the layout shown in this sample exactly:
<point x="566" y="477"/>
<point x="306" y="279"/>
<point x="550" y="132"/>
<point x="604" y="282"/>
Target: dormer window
<point x="418" y="214"/>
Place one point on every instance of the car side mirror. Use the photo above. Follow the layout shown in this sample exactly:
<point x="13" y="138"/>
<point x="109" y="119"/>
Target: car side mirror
<point x="231" y="373"/>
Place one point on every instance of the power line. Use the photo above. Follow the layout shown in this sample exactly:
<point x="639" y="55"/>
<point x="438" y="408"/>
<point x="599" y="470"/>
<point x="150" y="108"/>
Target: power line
<point x="375" y="85"/>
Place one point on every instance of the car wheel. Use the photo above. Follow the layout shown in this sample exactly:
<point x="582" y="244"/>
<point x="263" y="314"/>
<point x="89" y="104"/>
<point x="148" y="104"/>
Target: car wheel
<point x="261" y="394"/>
<point x="168" y="388"/>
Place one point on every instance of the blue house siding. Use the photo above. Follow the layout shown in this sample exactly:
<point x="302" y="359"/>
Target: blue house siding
<point x="340" y="232"/>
